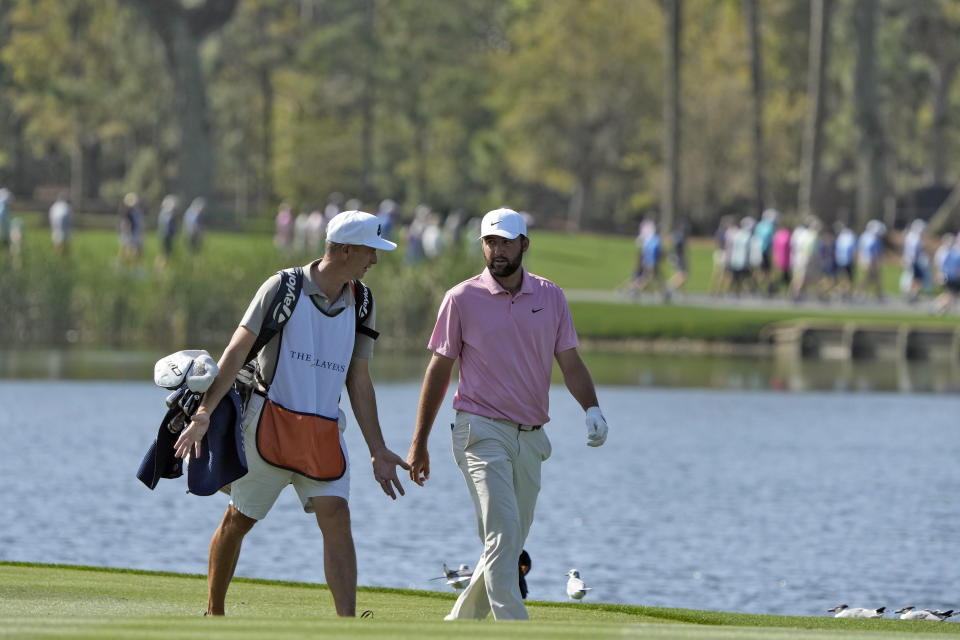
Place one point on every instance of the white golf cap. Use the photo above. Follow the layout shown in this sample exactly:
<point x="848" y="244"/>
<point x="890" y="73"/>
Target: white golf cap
<point x="505" y="223"/>
<point x="357" y="227"/>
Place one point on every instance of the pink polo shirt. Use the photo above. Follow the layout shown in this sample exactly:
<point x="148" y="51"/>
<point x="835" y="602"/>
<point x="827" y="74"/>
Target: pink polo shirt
<point x="506" y="345"/>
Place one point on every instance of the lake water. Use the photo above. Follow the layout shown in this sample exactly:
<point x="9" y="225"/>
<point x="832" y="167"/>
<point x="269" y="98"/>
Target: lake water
<point x="762" y="502"/>
<point x="623" y="368"/>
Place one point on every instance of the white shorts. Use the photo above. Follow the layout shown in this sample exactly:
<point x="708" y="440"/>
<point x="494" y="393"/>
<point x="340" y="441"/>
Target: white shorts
<point x="254" y="494"/>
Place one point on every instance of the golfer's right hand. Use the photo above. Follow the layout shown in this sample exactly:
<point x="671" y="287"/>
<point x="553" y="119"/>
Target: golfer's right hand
<point x="192" y="435"/>
<point x="419" y="461"/>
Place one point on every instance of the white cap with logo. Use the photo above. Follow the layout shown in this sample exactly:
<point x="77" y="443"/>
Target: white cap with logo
<point x="357" y="227"/>
<point x="505" y="223"/>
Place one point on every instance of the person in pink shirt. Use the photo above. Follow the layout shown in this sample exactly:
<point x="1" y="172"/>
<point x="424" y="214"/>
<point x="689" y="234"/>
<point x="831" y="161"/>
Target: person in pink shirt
<point x="505" y="326"/>
<point x="781" y="255"/>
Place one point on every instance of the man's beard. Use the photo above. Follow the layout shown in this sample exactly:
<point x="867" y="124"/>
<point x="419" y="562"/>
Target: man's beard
<point x="504" y="270"/>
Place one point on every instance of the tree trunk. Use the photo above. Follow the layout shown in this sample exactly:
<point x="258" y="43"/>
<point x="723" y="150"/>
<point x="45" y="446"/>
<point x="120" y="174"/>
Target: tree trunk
<point x="580" y="202"/>
<point x="182" y="31"/>
<point x="942" y="80"/>
<point x="752" y="11"/>
<point x="92" y="175"/>
<point x="946" y="216"/>
<point x="266" y="194"/>
<point x="419" y="124"/>
<point x="870" y="145"/>
<point x="673" y="10"/>
<point x="76" y="176"/>
<point x="367" y="103"/>
<point x="21" y="181"/>
<point x="816" y="87"/>
<point x="195" y="152"/>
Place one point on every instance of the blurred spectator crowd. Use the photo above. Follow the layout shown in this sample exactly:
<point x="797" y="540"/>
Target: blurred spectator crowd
<point x="810" y="260"/>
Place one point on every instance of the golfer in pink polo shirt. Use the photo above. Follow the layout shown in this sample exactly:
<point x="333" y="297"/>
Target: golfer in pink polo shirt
<point x="505" y="326"/>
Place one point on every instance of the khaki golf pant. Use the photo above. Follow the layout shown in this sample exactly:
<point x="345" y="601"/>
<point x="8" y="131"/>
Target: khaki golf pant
<point x="501" y="465"/>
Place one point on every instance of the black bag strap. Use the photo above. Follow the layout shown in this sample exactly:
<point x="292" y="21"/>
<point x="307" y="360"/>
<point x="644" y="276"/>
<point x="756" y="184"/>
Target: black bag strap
<point x="280" y="309"/>
<point x="363" y="304"/>
<point x="285" y="300"/>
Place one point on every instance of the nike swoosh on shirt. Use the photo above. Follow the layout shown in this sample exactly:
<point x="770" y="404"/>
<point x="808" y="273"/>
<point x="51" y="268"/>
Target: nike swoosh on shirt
<point x="540" y="309"/>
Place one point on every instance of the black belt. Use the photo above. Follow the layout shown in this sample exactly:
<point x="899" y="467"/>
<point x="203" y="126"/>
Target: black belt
<point x="520" y="427"/>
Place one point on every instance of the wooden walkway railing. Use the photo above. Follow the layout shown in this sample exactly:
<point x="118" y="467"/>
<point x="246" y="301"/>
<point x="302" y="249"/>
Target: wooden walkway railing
<point x="852" y="340"/>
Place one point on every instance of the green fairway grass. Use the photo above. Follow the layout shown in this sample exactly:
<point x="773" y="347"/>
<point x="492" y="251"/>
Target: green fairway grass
<point x="58" y="601"/>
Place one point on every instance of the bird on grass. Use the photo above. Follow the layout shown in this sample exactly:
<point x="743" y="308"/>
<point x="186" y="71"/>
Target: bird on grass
<point x="912" y="613"/>
<point x="456" y="578"/>
<point x="576" y="588"/>
<point x="843" y="611"/>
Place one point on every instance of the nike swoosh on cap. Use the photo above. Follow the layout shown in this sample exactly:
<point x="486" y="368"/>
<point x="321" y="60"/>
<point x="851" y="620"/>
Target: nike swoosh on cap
<point x="540" y="309"/>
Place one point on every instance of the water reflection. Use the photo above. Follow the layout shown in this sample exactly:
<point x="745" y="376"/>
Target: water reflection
<point x="757" y="372"/>
<point x="775" y="373"/>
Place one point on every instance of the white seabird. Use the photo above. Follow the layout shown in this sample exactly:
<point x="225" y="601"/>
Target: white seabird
<point x="912" y="613"/>
<point x="576" y="589"/>
<point x="843" y="611"/>
<point x="456" y="578"/>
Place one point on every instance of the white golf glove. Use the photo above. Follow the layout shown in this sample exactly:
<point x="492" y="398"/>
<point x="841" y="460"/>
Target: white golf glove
<point x="596" y="427"/>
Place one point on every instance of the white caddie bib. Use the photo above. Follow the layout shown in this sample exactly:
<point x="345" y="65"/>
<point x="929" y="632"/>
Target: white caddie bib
<point x="298" y="426"/>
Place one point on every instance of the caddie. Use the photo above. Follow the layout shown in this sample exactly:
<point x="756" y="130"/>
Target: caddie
<point x="292" y="424"/>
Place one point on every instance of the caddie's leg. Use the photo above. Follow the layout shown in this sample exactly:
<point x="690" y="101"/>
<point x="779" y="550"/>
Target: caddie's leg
<point x="339" y="555"/>
<point x="224" y="553"/>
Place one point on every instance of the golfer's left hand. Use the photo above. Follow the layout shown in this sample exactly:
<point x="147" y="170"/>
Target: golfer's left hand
<point x="596" y="427"/>
<point x="385" y="463"/>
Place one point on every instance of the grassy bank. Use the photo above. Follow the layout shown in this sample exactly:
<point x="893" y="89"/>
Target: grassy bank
<point x="46" y="601"/>
<point x="90" y="298"/>
<point x="604" y="321"/>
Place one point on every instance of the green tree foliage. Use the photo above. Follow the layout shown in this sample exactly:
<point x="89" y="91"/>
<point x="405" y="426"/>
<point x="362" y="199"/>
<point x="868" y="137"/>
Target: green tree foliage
<point x="553" y="106"/>
<point x="254" y="50"/>
<point x="86" y="88"/>
<point x="578" y="98"/>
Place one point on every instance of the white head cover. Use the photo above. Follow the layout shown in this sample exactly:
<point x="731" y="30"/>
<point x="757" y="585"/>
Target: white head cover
<point x="171" y="371"/>
<point x="202" y="373"/>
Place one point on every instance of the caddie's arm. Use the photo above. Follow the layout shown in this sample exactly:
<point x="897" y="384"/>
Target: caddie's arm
<point x="363" y="398"/>
<point x="577" y="378"/>
<point x="229" y="365"/>
<point x="435" y="383"/>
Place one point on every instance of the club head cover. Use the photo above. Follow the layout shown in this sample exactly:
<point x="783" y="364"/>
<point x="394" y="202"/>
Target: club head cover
<point x="200" y="376"/>
<point x="170" y="371"/>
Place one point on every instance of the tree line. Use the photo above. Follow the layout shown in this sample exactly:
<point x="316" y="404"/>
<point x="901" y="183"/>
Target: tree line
<point x="587" y="113"/>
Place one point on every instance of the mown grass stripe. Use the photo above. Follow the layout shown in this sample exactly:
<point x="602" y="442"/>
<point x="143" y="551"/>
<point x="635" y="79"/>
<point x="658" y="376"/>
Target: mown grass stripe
<point x="70" y="601"/>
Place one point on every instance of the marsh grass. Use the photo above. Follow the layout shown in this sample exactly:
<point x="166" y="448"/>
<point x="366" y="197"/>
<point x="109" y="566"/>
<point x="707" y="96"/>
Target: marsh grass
<point x="91" y="298"/>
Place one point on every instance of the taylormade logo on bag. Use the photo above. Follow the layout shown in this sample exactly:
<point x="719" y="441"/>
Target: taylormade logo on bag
<point x="284" y="310"/>
<point x="364" y="303"/>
